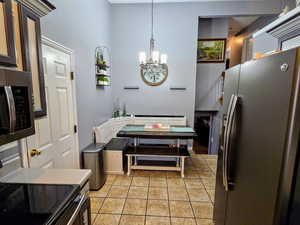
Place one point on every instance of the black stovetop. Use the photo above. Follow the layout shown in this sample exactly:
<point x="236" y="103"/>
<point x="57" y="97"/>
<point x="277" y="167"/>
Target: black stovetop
<point x="34" y="204"/>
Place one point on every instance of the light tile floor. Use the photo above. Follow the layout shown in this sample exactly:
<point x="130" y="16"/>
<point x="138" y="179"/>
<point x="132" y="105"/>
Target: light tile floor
<point x="158" y="197"/>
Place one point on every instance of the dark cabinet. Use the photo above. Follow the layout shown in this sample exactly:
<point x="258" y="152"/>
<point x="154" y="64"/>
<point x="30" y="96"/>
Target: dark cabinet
<point x="17" y="35"/>
<point x="7" y="44"/>
<point x="32" y="54"/>
<point x="20" y="43"/>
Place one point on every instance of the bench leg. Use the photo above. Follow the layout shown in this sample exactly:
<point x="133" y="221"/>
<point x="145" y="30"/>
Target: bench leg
<point x="136" y="142"/>
<point x="177" y="162"/>
<point x="182" y="167"/>
<point x="135" y="160"/>
<point x="129" y="165"/>
<point x="178" y="143"/>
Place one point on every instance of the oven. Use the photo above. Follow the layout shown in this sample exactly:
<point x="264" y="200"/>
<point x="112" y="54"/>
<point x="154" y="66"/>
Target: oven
<point x="77" y="213"/>
<point x="16" y="105"/>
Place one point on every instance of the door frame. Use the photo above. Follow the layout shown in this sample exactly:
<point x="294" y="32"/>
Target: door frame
<point x="48" y="42"/>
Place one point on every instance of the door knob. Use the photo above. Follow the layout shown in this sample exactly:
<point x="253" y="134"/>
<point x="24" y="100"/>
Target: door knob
<point x="35" y="152"/>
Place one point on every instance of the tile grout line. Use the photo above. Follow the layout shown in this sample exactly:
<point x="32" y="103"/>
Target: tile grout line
<point x="145" y="221"/>
<point x="125" y="201"/>
<point x="208" y="195"/>
<point x="190" y="202"/>
<point x="195" y="218"/>
<point x="205" y="188"/>
<point x="200" y="177"/>
<point x="169" y="200"/>
<point x="214" y="187"/>
<point x="98" y="211"/>
<point x="104" y="198"/>
<point x="107" y="196"/>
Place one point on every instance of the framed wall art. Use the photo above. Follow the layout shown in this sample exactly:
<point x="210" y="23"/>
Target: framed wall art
<point x="211" y="50"/>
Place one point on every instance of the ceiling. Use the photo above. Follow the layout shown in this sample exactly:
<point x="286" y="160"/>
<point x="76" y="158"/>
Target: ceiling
<point x="170" y="1"/>
<point x="237" y="23"/>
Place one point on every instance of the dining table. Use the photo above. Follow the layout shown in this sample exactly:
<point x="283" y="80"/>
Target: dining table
<point x="178" y="150"/>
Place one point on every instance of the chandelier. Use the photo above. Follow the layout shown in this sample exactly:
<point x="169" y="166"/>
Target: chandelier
<point x="155" y="58"/>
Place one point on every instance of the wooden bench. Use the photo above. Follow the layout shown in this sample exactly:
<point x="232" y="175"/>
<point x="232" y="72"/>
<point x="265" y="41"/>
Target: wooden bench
<point x="114" y="162"/>
<point x="161" y="151"/>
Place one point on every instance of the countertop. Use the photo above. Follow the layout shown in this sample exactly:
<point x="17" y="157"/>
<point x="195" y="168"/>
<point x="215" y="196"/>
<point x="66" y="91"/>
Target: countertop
<point x="48" y="176"/>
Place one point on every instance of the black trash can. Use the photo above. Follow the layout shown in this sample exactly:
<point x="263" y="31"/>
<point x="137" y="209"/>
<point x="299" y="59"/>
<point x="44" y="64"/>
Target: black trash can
<point x="93" y="159"/>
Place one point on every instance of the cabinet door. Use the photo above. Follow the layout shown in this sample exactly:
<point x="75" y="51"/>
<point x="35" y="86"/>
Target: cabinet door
<point x="7" y="44"/>
<point x="17" y="35"/>
<point x="31" y="36"/>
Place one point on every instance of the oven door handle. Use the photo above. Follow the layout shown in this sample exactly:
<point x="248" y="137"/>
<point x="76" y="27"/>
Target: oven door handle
<point x="11" y="108"/>
<point x="81" y="199"/>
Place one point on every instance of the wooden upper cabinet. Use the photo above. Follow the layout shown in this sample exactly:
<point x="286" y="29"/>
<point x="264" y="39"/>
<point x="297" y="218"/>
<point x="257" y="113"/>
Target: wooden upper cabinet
<point x="7" y="43"/>
<point x="20" y="43"/>
<point x="32" y="54"/>
<point x="17" y="35"/>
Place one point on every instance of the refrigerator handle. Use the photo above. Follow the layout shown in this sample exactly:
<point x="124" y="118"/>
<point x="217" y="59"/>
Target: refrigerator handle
<point x="11" y="108"/>
<point x="229" y="129"/>
<point x="225" y="136"/>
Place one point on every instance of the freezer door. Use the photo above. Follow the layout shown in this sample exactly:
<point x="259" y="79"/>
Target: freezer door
<point x="230" y="89"/>
<point x="265" y="92"/>
<point x="294" y="216"/>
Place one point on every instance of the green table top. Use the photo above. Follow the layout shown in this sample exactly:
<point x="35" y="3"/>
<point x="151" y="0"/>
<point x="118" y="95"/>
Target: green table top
<point x="175" y="129"/>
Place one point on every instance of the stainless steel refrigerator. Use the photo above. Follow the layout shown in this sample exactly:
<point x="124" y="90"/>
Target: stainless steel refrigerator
<point x="258" y="157"/>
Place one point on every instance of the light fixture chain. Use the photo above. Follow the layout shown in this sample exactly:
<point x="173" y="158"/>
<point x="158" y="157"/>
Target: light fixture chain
<point x="152" y="36"/>
<point x="155" y="58"/>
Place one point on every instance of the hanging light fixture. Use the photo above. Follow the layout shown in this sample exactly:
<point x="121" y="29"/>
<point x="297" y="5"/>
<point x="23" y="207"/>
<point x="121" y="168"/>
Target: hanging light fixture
<point x="154" y="70"/>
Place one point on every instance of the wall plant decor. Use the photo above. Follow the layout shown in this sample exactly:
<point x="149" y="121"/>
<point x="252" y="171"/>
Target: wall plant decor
<point x="211" y="50"/>
<point x="102" y="66"/>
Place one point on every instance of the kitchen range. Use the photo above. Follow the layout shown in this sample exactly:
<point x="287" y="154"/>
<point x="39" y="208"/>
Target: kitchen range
<point x="45" y="197"/>
<point x="43" y="204"/>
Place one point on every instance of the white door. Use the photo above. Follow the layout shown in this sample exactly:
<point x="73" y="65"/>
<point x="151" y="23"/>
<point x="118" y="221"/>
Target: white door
<point x="55" y="138"/>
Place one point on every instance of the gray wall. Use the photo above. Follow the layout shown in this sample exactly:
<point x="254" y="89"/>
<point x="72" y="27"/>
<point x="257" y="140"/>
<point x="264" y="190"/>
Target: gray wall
<point x="265" y="43"/>
<point x="131" y="33"/>
<point x="208" y="74"/>
<point x="291" y="3"/>
<point x="81" y="26"/>
<point x="207" y="77"/>
<point x="176" y="32"/>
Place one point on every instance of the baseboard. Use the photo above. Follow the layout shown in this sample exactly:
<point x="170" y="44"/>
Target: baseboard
<point x="114" y="172"/>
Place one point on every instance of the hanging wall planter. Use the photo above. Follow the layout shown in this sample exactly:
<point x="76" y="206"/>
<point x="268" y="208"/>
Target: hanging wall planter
<point x="102" y="66"/>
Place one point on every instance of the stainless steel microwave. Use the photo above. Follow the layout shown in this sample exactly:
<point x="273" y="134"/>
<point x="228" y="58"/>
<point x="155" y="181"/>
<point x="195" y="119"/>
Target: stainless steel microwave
<point x="16" y="106"/>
